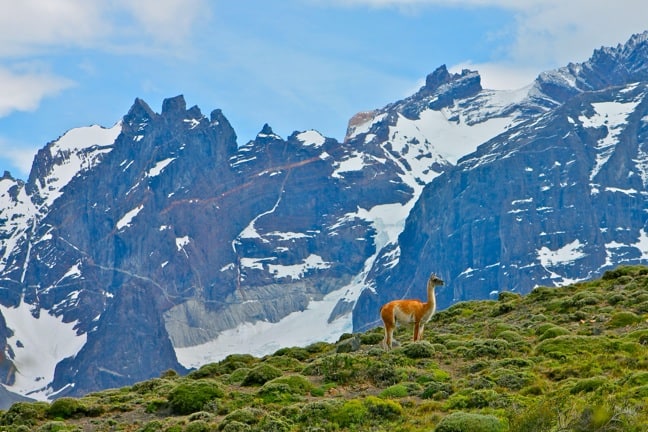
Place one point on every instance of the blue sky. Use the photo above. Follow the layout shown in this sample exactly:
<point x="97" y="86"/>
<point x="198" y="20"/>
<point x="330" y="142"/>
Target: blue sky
<point x="294" y="64"/>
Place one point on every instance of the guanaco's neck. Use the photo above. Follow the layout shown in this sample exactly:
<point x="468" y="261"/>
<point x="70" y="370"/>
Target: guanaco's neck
<point x="431" y="301"/>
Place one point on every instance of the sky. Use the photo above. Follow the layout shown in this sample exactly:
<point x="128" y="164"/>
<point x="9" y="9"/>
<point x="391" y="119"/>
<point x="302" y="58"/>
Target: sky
<point x="294" y="64"/>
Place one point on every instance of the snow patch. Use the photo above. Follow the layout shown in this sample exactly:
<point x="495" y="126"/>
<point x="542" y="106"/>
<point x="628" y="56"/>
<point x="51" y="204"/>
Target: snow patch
<point x="263" y="337"/>
<point x="73" y="152"/>
<point x="311" y="138"/>
<point x="561" y="256"/>
<point x="157" y="169"/>
<point x="613" y="116"/>
<point x="297" y="271"/>
<point x="126" y="220"/>
<point x="38" y="344"/>
<point x="181" y="242"/>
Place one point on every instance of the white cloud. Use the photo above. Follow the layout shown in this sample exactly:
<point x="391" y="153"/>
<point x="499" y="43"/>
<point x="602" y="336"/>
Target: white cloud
<point x="545" y="34"/>
<point x="28" y="27"/>
<point x="23" y="90"/>
<point x="20" y="156"/>
<point x="500" y="76"/>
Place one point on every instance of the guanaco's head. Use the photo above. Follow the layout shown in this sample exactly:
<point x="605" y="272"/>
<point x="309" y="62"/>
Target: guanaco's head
<point x="435" y="280"/>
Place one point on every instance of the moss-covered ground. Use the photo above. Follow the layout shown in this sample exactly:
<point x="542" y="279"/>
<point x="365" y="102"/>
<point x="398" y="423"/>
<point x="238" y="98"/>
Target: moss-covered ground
<point x="558" y="359"/>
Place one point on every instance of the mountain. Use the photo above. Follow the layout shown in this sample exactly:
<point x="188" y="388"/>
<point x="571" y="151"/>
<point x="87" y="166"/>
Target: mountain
<point x="573" y="358"/>
<point x="557" y="198"/>
<point x="161" y="243"/>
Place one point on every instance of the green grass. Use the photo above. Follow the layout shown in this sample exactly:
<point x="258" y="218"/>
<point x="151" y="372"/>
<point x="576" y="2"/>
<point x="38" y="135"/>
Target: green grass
<point x="558" y="359"/>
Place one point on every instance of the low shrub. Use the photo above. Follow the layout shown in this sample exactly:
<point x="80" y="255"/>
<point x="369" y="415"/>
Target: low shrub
<point x="371" y="338"/>
<point x="65" y="408"/>
<point x="351" y="412"/>
<point x="553" y="332"/>
<point x="192" y="396"/>
<point x="247" y="416"/>
<point x="383" y="374"/>
<point x="318" y="411"/>
<point x="237" y="376"/>
<point x="470" y="398"/>
<point x="437" y="391"/>
<point x="623" y="319"/>
<point x="59" y="426"/>
<point x="512" y="379"/>
<point x="417" y="350"/>
<point x="277" y="392"/>
<point x="297" y="353"/>
<point x="511" y="336"/>
<point x="198" y="426"/>
<point x="261" y="374"/>
<point x="285" y="363"/>
<point x="492" y="348"/>
<point x="470" y="422"/>
<point x="588" y="385"/>
<point x="208" y="370"/>
<point x="339" y="368"/>
<point x="271" y="423"/>
<point x="380" y="409"/>
<point x="234" y="361"/>
<point x="396" y="391"/>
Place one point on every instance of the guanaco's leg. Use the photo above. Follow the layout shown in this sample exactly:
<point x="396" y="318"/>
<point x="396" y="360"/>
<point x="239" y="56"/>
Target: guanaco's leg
<point x="388" y="319"/>
<point x="420" y="331"/>
<point x="417" y="327"/>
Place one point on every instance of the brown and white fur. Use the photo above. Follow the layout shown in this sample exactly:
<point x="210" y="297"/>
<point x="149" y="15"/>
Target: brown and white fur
<point x="409" y="311"/>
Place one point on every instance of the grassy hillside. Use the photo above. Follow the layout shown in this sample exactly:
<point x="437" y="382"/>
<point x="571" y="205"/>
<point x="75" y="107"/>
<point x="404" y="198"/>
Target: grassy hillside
<point x="558" y="359"/>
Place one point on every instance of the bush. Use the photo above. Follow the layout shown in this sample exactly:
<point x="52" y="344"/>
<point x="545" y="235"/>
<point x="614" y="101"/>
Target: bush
<point x="65" y="408"/>
<point x="261" y="374"/>
<point x="205" y="371"/>
<point x="277" y="392"/>
<point x="553" y="332"/>
<point x="512" y="379"/>
<point x="352" y="412"/>
<point x="58" y="426"/>
<point x="382" y="374"/>
<point x="191" y="396"/>
<point x="469" y="422"/>
<point x="437" y="391"/>
<point x="241" y="420"/>
<point x="371" y="338"/>
<point x="234" y="426"/>
<point x="469" y="398"/>
<point x="623" y="319"/>
<point x="511" y="336"/>
<point x="588" y="385"/>
<point x="319" y="411"/>
<point x="232" y="362"/>
<point x="297" y="353"/>
<point x="271" y="423"/>
<point x="537" y="418"/>
<point x="488" y="348"/>
<point x="24" y="413"/>
<point x="383" y="409"/>
<point x="199" y="426"/>
<point x="338" y="368"/>
<point x="417" y="350"/>
<point x="396" y="391"/>
<point x="285" y="363"/>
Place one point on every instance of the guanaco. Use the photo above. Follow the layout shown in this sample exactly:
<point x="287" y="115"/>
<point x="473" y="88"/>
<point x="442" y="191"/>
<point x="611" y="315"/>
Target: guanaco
<point x="408" y="311"/>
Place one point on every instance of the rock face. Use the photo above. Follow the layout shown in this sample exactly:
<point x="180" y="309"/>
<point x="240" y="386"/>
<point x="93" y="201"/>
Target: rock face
<point x="162" y="243"/>
<point x="557" y="198"/>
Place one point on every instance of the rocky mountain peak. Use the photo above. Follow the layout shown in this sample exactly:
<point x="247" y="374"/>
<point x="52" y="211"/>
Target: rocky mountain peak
<point x="139" y="114"/>
<point x="175" y="106"/>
